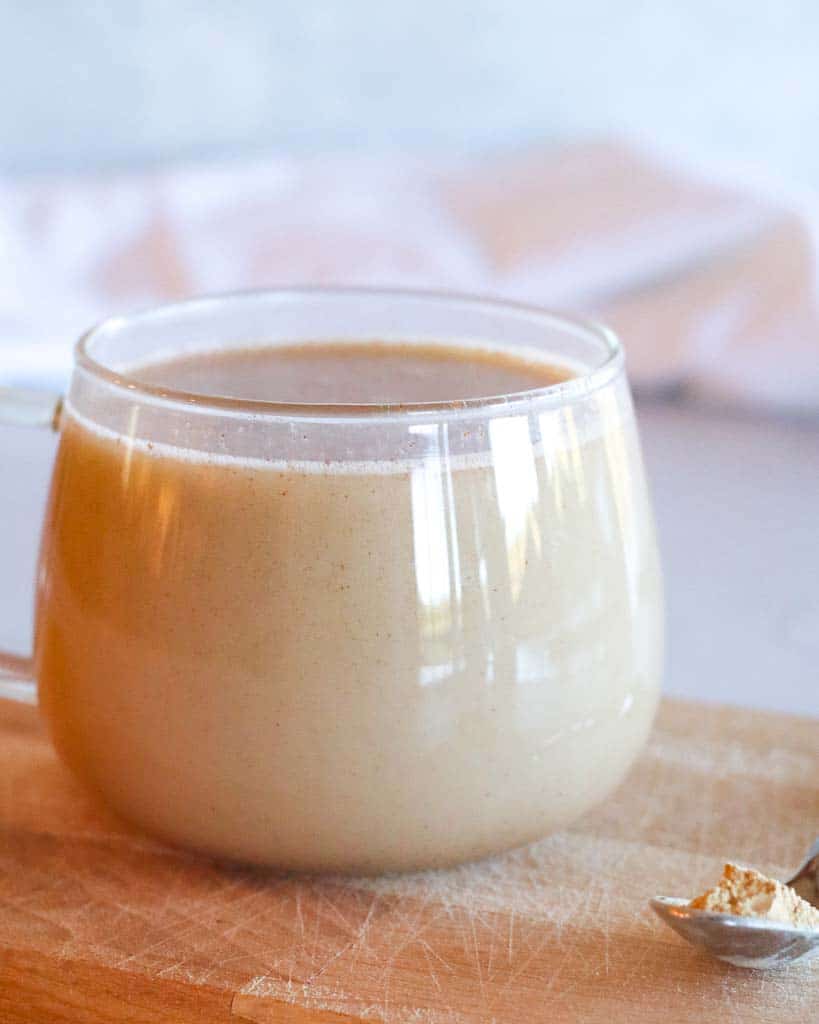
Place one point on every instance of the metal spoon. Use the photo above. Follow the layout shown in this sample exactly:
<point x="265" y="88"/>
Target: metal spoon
<point x="749" y="941"/>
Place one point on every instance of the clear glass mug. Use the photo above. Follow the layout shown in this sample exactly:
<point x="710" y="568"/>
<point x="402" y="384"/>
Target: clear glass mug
<point x="345" y="638"/>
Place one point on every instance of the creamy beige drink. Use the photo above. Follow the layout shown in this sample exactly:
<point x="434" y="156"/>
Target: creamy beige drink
<point x="346" y="663"/>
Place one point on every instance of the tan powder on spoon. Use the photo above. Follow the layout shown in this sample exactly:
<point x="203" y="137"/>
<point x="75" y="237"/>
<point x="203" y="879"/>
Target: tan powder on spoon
<point x="748" y="893"/>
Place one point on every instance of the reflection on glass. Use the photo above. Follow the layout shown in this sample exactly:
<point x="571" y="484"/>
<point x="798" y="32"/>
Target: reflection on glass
<point x="435" y="541"/>
<point x="621" y="478"/>
<point x="130" y="434"/>
<point x="513" y="460"/>
<point x="436" y="556"/>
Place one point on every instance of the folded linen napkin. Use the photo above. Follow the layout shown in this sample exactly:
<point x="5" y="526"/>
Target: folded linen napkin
<point x="711" y="285"/>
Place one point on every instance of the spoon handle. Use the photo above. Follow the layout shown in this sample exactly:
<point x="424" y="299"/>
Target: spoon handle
<point x="806" y="879"/>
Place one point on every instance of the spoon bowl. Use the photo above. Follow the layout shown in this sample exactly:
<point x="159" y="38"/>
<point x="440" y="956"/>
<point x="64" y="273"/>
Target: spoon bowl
<point x="748" y="941"/>
<point x="741" y="941"/>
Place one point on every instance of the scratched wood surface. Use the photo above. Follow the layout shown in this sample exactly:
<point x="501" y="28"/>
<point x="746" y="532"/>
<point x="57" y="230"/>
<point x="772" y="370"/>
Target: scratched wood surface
<point x="99" y="924"/>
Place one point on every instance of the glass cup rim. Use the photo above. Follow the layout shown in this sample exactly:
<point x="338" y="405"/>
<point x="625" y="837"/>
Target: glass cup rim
<point x="559" y="393"/>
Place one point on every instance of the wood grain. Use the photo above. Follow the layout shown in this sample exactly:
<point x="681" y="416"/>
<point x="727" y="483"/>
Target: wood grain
<point x="99" y="924"/>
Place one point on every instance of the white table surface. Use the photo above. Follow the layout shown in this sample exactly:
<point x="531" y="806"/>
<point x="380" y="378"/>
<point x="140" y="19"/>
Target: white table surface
<point x="737" y="502"/>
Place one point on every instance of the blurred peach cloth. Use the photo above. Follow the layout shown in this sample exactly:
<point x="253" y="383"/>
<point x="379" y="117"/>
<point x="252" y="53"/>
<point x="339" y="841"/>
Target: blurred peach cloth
<point x="712" y="285"/>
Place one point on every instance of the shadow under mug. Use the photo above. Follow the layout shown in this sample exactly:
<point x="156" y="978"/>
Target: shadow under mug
<point x="336" y="637"/>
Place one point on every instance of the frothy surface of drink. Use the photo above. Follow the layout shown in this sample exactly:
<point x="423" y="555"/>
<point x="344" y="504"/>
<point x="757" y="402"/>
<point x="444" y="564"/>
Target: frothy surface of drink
<point x="376" y="372"/>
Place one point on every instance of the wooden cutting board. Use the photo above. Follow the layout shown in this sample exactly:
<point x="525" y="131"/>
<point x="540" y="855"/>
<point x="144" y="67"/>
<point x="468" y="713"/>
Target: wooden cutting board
<point x="99" y="924"/>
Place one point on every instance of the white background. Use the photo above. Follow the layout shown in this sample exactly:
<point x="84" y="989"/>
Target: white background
<point x="100" y="83"/>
